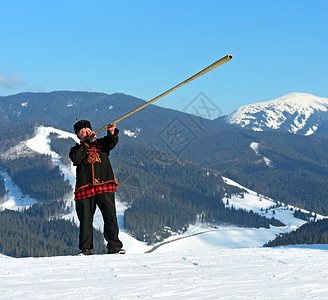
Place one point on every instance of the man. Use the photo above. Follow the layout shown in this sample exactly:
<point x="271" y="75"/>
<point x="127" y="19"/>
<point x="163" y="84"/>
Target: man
<point x="95" y="185"/>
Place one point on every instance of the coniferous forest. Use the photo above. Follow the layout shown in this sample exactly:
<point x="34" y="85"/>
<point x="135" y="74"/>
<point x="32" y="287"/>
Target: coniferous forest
<point x="309" y="233"/>
<point x="37" y="177"/>
<point x="2" y="186"/>
<point x="38" y="232"/>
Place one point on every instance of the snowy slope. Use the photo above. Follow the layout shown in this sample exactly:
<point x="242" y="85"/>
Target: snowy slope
<point x="202" y="273"/>
<point x="197" y="236"/>
<point x="40" y="143"/>
<point x="204" y="235"/>
<point x="295" y="113"/>
<point x="255" y="147"/>
<point x="14" y="199"/>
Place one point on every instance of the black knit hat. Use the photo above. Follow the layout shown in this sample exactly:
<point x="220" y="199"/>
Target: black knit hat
<point x="81" y="124"/>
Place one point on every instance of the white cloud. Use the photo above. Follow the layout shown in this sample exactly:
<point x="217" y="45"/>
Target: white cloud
<point x="10" y="80"/>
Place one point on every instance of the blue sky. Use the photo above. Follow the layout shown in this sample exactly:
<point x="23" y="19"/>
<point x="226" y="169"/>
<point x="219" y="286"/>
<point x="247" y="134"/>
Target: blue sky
<point x="143" y="48"/>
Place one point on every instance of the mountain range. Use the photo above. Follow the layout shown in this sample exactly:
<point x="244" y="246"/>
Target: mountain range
<point x="297" y="161"/>
<point x="297" y="113"/>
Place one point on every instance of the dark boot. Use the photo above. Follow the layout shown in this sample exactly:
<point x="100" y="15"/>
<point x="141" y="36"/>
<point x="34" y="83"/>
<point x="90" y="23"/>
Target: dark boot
<point x="116" y="250"/>
<point x="85" y="252"/>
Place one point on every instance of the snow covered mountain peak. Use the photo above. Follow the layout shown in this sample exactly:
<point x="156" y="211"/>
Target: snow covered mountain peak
<point x="295" y="113"/>
<point x="301" y="99"/>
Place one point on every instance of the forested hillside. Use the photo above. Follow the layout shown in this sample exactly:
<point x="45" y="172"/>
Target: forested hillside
<point x="299" y="171"/>
<point x="12" y="135"/>
<point x="61" y="108"/>
<point x="2" y="186"/>
<point x="38" y="231"/>
<point x="169" y="194"/>
<point x="310" y="233"/>
<point x="37" y="177"/>
<point x="62" y="147"/>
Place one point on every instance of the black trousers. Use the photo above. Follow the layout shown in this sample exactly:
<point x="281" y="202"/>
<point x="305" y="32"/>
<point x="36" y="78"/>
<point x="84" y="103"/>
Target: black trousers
<point x="86" y="208"/>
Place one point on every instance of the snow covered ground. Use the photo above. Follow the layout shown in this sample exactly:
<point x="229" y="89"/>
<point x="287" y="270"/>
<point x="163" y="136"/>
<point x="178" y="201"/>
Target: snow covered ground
<point x="201" y="273"/>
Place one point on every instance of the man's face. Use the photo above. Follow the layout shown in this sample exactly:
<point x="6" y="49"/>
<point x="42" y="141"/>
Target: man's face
<point x="83" y="134"/>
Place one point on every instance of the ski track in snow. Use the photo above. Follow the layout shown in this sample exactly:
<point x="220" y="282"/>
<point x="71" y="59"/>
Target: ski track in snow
<point x="208" y="273"/>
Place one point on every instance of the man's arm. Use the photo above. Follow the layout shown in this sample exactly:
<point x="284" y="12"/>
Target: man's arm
<point x="111" y="139"/>
<point x="78" y="153"/>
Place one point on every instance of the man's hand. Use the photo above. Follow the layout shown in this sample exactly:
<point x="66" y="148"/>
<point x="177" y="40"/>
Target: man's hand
<point x="111" y="128"/>
<point x="91" y="136"/>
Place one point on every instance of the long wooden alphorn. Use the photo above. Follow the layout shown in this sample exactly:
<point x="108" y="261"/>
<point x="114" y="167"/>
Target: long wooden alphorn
<point x="209" y="68"/>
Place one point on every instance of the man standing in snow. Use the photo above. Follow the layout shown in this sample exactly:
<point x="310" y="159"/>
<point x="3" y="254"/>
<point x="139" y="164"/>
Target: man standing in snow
<point x="95" y="185"/>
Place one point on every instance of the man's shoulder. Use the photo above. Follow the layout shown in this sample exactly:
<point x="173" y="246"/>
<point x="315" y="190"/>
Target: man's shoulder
<point x="76" y="146"/>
